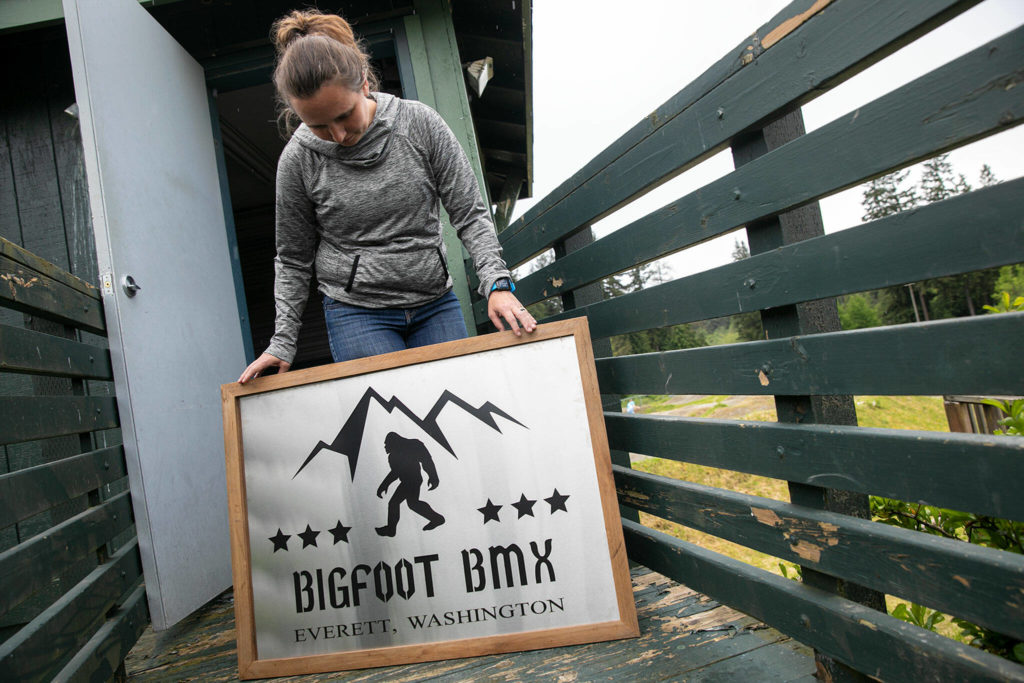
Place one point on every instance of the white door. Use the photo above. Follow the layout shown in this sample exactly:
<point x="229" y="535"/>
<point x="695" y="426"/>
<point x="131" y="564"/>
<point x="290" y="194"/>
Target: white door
<point x="159" y="219"/>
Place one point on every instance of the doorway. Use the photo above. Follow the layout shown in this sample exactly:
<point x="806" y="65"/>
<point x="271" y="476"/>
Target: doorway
<point x="252" y="139"/>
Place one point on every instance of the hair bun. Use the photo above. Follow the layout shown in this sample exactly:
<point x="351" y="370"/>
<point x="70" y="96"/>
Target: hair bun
<point x="311" y="22"/>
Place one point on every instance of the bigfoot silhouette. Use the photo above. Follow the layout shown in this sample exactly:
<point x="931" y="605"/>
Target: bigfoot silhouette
<point x="405" y="457"/>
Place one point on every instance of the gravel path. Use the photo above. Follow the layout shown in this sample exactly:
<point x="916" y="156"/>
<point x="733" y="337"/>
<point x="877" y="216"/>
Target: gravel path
<point x="722" y="408"/>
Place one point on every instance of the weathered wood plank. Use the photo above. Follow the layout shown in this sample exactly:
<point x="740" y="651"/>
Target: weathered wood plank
<point x="23" y="418"/>
<point x="681" y="631"/>
<point x="10" y="226"/>
<point x="40" y="648"/>
<point x="766" y="664"/>
<point x="688" y="644"/>
<point x="920" y="359"/>
<point x="31" y="261"/>
<point x="883" y="462"/>
<point x="69" y="162"/>
<point x="32" y="162"/>
<point x="32" y="292"/>
<point x="30" y="566"/>
<point x="101" y="657"/>
<point x="832" y="46"/>
<point x="982" y="585"/>
<point x="839" y="263"/>
<point x="27" y="492"/>
<point x="891" y="132"/>
<point x="44" y="354"/>
<point x="732" y="62"/>
<point x="863" y="638"/>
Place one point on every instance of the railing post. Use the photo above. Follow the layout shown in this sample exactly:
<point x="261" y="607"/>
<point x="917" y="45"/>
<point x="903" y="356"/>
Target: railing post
<point x="806" y="318"/>
<point x="584" y="296"/>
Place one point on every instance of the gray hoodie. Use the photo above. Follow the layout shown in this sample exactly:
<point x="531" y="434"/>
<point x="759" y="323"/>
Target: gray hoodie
<point x="367" y="217"/>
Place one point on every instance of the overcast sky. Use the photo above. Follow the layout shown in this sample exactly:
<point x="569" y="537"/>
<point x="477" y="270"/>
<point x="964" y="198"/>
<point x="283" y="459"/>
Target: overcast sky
<point x="598" y="70"/>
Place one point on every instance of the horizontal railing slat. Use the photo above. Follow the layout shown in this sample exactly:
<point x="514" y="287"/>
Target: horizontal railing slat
<point x="29" y="566"/>
<point x="29" y="260"/>
<point x="883" y="462"/>
<point x="833" y="45"/>
<point x="982" y="585"/>
<point x="34" y="293"/>
<point x="870" y="641"/>
<point x="26" y="492"/>
<point x="44" y="354"/>
<point x="962" y="356"/>
<point x="732" y="62"/>
<point x="831" y="265"/>
<point x="50" y="639"/>
<point x="893" y="131"/>
<point x="101" y="657"/>
<point x="23" y="418"/>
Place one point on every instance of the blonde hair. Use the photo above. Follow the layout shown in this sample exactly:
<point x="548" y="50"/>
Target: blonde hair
<point x="314" y="48"/>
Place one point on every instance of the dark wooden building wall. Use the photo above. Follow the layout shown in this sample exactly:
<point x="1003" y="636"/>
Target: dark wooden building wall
<point x="44" y="207"/>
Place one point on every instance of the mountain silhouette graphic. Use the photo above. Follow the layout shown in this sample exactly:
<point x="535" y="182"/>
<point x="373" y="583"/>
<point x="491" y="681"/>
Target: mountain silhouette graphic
<point x="351" y="435"/>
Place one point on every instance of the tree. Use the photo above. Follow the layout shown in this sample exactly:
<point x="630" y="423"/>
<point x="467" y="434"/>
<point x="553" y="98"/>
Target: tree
<point x="938" y="180"/>
<point x="956" y="295"/>
<point x="948" y="297"/>
<point x="884" y="196"/>
<point x="987" y="177"/>
<point x="1011" y="281"/>
<point x="746" y="326"/>
<point x="740" y="250"/>
<point x="659" y="338"/>
<point x="632" y="280"/>
<point x="857" y="312"/>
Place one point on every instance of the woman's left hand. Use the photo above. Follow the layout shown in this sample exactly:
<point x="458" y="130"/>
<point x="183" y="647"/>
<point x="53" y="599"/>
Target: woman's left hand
<point x="504" y="307"/>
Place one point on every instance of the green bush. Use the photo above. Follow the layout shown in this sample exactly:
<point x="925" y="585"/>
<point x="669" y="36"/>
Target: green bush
<point x="1010" y="280"/>
<point x="991" y="532"/>
<point x="857" y="313"/>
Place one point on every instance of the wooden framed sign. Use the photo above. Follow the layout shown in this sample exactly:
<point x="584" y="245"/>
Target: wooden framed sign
<point x="442" y="502"/>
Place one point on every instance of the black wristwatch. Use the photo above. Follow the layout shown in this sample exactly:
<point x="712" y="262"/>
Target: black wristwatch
<point x="503" y="284"/>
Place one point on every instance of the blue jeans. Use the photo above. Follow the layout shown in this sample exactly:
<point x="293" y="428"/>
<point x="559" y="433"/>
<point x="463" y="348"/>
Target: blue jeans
<point x="357" y="332"/>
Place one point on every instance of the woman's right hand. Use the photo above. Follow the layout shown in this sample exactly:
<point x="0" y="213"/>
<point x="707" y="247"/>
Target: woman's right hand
<point x="262" y="363"/>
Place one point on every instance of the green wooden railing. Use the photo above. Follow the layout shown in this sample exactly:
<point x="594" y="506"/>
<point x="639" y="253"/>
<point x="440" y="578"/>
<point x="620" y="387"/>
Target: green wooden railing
<point x="72" y="601"/>
<point x="749" y="101"/>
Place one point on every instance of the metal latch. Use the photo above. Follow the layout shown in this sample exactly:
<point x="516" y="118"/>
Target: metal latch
<point x="130" y="286"/>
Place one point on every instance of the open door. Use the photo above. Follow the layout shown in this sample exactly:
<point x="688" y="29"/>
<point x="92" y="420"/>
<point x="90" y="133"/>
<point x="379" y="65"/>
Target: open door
<point x="159" y="222"/>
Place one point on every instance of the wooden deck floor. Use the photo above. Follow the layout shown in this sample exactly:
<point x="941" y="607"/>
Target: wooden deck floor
<point x="685" y="636"/>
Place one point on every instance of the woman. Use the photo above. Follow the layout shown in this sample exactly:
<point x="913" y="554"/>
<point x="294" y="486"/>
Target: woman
<point x="358" y="188"/>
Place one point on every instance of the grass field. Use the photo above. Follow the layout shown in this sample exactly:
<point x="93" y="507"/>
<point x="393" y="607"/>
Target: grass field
<point x="889" y="412"/>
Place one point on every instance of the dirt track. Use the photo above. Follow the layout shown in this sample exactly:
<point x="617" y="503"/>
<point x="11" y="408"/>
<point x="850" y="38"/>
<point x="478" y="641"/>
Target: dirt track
<point x="734" y="408"/>
<point x="721" y="407"/>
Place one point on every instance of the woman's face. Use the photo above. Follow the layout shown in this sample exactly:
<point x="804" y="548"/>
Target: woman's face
<point x="337" y="114"/>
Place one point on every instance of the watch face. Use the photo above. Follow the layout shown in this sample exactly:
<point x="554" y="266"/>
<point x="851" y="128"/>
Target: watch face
<point x="503" y="284"/>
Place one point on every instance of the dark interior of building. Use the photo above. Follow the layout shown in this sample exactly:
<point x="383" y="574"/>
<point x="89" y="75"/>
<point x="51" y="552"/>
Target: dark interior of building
<point x="234" y="48"/>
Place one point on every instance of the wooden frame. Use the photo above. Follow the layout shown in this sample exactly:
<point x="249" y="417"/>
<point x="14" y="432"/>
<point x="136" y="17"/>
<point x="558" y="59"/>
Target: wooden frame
<point x="527" y="395"/>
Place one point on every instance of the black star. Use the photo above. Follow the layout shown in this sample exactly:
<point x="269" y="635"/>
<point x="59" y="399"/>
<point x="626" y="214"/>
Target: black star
<point x="280" y="541"/>
<point x="309" y="537"/>
<point x="340" y="532"/>
<point x="557" y="502"/>
<point x="490" y="511"/>
<point x="524" y="506"/>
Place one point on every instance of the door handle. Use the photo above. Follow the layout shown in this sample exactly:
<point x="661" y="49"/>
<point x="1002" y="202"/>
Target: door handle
<point x="130" y="286"/>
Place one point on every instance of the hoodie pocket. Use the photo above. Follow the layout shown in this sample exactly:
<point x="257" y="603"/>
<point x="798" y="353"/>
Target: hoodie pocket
<point x="352" y="274"/>
<point x="390" y="274"/>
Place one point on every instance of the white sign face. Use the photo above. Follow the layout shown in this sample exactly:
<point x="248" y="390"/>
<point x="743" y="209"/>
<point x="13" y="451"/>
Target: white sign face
<point x="448" y="500"/>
